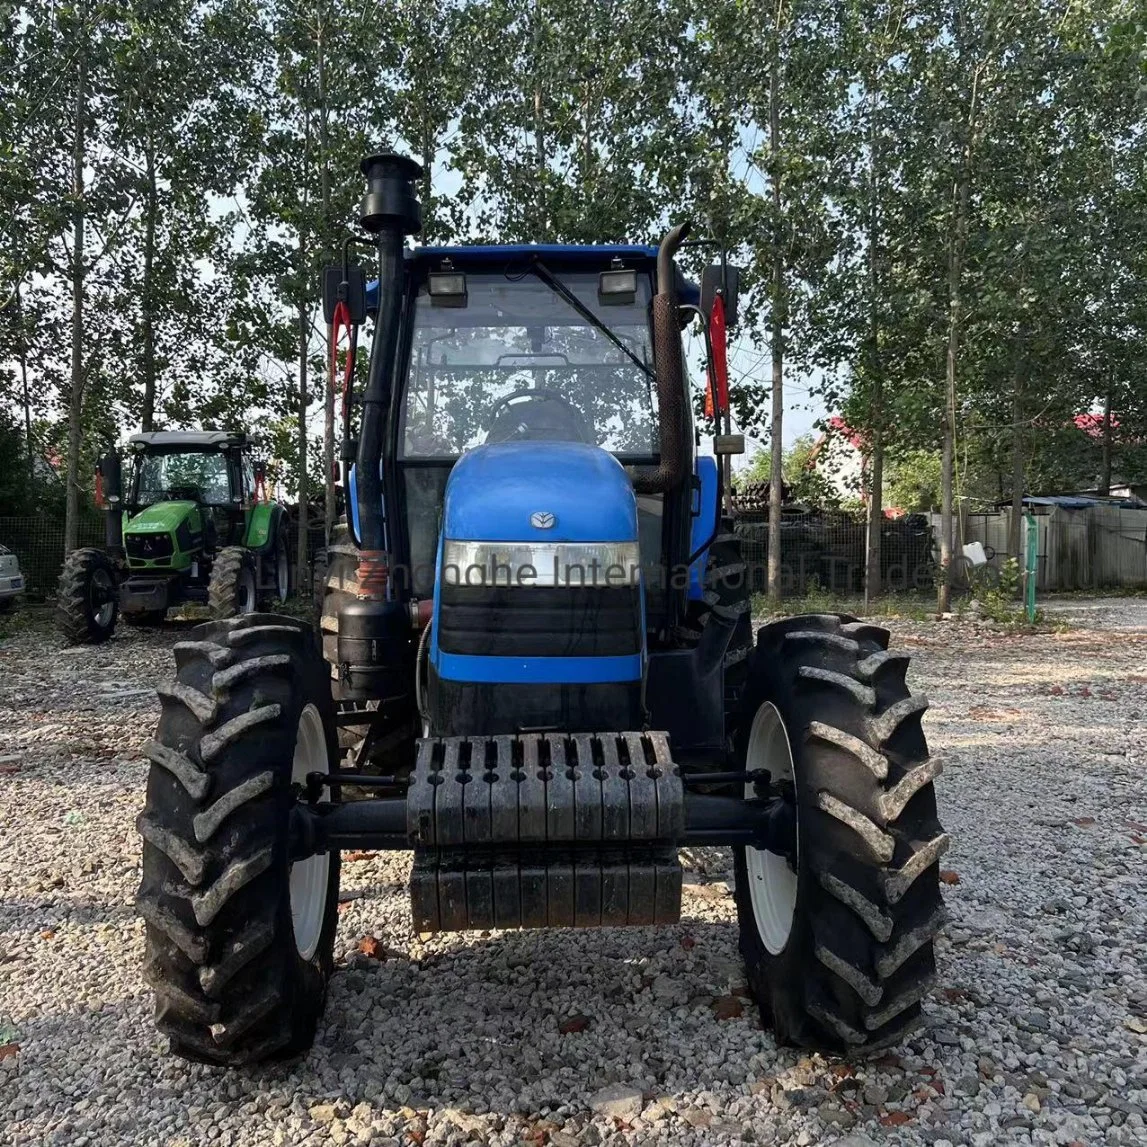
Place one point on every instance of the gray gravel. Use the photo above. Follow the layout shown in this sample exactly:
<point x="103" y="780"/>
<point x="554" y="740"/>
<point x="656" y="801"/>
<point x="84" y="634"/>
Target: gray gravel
<point x="1037" y="1029"/>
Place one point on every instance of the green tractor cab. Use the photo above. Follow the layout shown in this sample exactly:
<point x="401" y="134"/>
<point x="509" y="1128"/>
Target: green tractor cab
<point x="189" y="524"/>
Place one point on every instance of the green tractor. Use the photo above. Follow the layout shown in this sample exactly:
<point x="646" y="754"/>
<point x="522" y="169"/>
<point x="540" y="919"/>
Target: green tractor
<point x="192" y="524"/>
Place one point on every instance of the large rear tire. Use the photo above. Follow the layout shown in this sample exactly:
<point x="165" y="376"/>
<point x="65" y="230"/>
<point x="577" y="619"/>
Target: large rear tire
<point x="238" y="941"/>
<point x="726" y="593"/>
<point x="233" y="588"/>
<point x="838" y="940"/>
<point x="87" y="599"/>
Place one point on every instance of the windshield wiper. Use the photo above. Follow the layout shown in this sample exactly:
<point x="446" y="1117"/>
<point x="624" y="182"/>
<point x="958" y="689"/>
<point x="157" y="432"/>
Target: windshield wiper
<point x="563" y="292"/>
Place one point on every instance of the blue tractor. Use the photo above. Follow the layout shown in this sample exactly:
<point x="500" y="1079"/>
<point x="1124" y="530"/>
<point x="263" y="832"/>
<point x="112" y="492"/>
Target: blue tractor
<point x="536" y="671"/>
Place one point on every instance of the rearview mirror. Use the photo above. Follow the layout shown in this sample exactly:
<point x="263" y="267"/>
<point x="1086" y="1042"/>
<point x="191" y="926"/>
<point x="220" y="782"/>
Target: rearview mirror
<point x="352" y="291"/>
<point x="726" y="279"/>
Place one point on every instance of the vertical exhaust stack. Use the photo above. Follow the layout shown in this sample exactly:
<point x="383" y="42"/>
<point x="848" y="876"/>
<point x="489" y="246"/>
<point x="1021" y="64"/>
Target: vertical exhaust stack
<point x="111" y="476"/>
<point x="390" y="210"/>
<point x="670" y="472"/>
<point x="374" y="634"/>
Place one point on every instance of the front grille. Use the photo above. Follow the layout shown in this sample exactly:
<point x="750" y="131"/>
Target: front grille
<point x="148" y="547"/>
<point x="540" y="621"/>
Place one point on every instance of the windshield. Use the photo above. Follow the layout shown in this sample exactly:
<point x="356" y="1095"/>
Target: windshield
<point x="518" y="362"/>
<point x="199" y="476"/>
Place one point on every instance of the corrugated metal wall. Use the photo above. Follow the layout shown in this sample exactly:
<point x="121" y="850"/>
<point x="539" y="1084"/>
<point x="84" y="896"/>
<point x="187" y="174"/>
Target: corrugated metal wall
<point x="1100" y="547"/>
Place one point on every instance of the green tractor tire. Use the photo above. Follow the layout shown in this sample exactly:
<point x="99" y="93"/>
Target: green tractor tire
<point x="87" y="599"/>
<point x="234" y="586"/>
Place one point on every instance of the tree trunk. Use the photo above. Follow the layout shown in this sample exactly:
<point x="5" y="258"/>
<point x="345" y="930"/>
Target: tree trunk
<point x="428" y="148"/>
<point x="147" y="298"/>
<point x="304" y="400"/>
<point x="957" y="234"/>
<point x="1105" y="470"/>
<point x="27" y="398"/>
<point x="876" y="420"/>
<point x="777" y="332"/>
<point x="872" y="583"/>
<point x="330" y="495"/>
<point x="947" y="457"/>
<point x="76" y="397"/>
<point x="539" y="134"/>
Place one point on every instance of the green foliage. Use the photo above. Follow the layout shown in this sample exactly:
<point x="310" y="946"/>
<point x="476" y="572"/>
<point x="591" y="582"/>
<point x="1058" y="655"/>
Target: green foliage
<point x="807" y="484"/>
<point x="913" y="480"/>
<point x="825" y="145"/>
<point x="998" y="592"/>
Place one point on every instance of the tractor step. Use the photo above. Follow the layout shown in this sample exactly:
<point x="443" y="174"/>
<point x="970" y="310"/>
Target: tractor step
<point x="453" y="890"/>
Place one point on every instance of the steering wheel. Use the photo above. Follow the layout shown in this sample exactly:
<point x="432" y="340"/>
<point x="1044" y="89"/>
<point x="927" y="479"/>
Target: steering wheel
<point x="183" y="494"/>
<point x="565" y="422"/>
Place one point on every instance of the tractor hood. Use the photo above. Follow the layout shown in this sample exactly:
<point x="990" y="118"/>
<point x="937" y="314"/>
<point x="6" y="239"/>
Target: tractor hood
<point x="539" y="492"/>
<point x="162" y="518"/>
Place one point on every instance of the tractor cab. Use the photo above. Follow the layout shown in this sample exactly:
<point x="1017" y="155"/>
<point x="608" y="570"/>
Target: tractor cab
<point x="504" y="358"/>
<point x="205" y="479"/>
<point x="540" y="507"/>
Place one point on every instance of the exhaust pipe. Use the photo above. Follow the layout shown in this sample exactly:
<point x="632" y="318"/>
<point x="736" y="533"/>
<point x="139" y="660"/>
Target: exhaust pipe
<point x="390" y="210"/>
<point x="111" y="476"/>
<point x="670" y="472"/>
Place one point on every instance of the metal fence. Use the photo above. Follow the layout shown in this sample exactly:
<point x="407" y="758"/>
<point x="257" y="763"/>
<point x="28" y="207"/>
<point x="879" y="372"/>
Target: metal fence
<point x="38" y="542"/>
<point x="827" y="551"/>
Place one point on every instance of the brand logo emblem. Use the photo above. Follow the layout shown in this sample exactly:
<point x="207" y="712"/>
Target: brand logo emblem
<point x="542" y="520"/>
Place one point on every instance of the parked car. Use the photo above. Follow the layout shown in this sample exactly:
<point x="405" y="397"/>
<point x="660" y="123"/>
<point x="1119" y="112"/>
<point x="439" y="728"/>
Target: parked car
<point x="11" y="580"/>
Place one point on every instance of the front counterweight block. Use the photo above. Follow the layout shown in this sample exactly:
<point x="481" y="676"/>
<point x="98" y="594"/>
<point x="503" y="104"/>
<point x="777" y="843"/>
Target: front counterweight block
<point x="545" y="830"/>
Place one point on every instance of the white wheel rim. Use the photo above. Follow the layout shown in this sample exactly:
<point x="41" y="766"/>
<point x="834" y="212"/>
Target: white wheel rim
<point x="245" y="592"/>
<point x="103" y="615"/>
<point x="310" y="877"/>
<point x="281" y="574"/>
<point x="772" y="883"/>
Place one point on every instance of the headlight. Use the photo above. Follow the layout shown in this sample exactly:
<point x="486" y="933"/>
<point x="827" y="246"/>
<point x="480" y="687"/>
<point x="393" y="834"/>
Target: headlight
<point x="526" y="564"/>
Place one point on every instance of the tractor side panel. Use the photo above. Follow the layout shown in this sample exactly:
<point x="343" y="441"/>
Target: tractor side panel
<point x="262" y="526"/>
<point x="704" y="524"/>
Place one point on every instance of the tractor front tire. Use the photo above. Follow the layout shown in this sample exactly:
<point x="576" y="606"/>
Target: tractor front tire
<point x="238" y="940"/>
<point x="87" y="599"/>
<point x="838" y="939"/>
<point x="233" y="588"/>
<point x="279" y="573"/>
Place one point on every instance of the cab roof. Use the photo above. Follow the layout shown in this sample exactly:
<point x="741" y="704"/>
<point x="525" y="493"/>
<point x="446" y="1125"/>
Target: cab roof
<point x="174" y="440"/>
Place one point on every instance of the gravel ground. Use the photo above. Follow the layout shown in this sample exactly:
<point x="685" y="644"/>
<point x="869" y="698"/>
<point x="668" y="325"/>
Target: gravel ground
<point x="1036" y="1033"/>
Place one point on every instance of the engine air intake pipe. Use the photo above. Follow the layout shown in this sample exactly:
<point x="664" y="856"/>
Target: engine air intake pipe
<point x="391" y="211"/>
<point x="670" y="472"/>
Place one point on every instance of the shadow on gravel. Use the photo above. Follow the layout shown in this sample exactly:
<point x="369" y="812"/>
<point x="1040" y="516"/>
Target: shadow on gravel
<point x="80" y="911"/>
